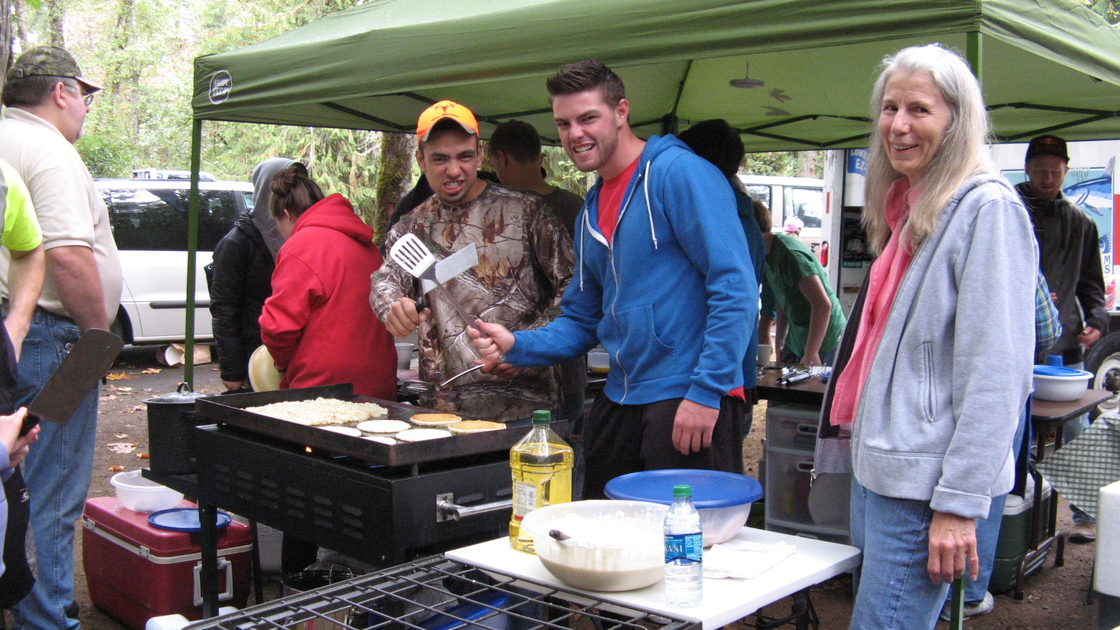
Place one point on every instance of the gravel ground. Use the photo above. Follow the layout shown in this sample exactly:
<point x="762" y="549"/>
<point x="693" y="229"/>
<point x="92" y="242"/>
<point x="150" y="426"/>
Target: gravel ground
<point x="1055" y="598"/>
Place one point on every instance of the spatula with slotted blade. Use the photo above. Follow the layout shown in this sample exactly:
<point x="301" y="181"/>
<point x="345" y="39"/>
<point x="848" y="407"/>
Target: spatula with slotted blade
<point x="414" y="257"/>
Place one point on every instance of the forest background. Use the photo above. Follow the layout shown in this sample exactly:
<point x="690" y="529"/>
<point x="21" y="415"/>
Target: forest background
<point x="142" y="51"/>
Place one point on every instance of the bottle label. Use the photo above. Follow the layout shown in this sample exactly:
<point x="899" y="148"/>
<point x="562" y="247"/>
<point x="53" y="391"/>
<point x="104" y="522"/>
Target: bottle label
<point x="688" y="547"/>
<point x="524" y="498"/>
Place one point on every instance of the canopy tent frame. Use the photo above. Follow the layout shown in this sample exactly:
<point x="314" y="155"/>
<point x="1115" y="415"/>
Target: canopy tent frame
<point x="378" y="65"/>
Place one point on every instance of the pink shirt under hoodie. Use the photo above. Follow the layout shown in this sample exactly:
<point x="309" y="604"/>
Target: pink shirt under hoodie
<point x="886" y="275"/>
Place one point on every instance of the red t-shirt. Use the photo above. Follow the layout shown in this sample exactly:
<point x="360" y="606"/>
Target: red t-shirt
<point x="610" y="199"/>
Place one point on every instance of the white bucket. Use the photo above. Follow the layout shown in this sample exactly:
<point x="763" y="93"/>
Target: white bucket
<point x="175" y="355"/>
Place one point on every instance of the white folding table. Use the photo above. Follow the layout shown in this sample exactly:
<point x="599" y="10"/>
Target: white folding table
<point x="725" y="600"/>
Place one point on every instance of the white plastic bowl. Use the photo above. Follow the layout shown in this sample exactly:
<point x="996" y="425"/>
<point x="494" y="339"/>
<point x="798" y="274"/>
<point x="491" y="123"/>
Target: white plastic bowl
<point x="143" y="495"/>
<point x="614" y="545"/>
<point x="723" y="499"/>
<point x="1060" y="384"/>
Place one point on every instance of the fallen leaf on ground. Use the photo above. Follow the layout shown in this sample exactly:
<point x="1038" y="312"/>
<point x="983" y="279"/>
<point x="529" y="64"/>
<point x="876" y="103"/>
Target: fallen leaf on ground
<point x="116" y="468"/>
<point x="107" y="398"/>
<point x="126" y="389"/>
<point x="121" y="448"/>
<point x="118" y="376"/>
<point x="152" y="371"/>
<point x="121" y="436"/>
<point x="142" y="455"/>
<point x="133" y="409"/>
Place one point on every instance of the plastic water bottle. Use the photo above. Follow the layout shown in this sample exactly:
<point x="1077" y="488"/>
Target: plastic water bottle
<point x="541" y="464"/>
<point x="684" y="548"/>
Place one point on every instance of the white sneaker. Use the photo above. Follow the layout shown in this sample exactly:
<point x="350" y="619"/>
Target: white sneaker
<point x="972" y="609"/>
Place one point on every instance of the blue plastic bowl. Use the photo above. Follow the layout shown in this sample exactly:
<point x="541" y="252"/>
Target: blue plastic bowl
<point x="723" y="499"/>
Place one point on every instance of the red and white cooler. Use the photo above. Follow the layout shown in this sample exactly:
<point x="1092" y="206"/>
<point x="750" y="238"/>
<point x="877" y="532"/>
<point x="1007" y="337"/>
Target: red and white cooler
<point x="136" y="571"/>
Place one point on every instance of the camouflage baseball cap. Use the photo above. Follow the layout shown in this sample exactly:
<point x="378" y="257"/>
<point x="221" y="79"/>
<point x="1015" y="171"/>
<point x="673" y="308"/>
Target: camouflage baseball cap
<point x="49" y="61"/>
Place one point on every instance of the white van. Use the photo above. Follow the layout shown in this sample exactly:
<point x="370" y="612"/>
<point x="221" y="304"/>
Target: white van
<point x="789" y="197"/>
<point x="149" y="221"/>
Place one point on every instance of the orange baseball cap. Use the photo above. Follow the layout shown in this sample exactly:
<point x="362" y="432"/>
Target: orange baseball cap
<point x="445" y="109"/>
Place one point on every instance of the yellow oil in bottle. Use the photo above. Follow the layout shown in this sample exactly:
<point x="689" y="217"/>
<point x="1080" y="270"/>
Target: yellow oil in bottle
<point x="541" y="465"/>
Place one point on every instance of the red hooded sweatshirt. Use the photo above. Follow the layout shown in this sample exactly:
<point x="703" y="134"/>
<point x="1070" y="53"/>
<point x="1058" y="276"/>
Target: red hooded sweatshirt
<point x="318" y="324"/>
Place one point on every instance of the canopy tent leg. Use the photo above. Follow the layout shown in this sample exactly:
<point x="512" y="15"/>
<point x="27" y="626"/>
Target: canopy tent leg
<point x="192" y="251"/>
<point x="974" y="52"/>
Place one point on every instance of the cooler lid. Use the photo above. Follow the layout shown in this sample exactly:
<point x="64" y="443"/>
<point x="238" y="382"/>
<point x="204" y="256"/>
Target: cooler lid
<point x="108" y="515"/>
<point x="183" y="519"/>
<point x="710" y="488"/>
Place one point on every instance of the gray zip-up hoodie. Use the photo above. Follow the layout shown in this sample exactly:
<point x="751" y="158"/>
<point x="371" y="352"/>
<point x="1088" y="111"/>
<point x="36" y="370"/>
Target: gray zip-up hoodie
<point x="938" y="412"/>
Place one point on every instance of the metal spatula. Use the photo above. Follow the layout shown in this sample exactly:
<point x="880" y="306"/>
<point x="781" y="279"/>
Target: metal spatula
<point x="414" y="257"/>
<point x="88" y="360"/>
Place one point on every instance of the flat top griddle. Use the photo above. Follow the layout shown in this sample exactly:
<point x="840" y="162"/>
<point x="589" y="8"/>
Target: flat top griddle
<point x="230" y="409"/>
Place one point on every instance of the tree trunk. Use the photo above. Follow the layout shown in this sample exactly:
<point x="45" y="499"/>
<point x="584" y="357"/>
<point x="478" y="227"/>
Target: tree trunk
<point x="56" y="15"/>
<point x="7" y="18"/>
<point x="393" y="177"/>
<point x="807" y="164"/>
<point x="124" y="74"/>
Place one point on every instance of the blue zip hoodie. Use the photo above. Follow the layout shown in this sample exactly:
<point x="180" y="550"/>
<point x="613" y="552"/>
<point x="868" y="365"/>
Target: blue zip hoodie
<point x="672" y="297"/>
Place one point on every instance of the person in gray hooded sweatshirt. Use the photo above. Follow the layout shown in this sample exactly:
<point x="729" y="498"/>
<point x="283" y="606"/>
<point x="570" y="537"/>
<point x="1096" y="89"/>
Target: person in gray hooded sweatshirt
<point x="240" y="279"/>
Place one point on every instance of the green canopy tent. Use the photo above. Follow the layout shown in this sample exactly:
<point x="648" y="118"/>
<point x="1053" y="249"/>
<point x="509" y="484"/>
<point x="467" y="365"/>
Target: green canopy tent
<point x="1045" y="65"/>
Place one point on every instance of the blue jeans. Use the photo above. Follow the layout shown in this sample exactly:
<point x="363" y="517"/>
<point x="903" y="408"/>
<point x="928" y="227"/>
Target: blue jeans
<point x="894" y="590"/>
<point x="58" y="472"/>
<point x="987" y="531"/>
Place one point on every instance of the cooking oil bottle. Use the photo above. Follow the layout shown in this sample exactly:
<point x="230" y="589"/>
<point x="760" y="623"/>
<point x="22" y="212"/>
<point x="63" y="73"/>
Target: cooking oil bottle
<point x="542" y="465"/>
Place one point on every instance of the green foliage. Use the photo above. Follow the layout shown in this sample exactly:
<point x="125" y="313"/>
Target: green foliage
<point x="106" y="155"/>
<point x="563" y="173"/>
<point x="1110" y="9"/>
<point x="143" y="52"/>
<point x="785" y="164"/>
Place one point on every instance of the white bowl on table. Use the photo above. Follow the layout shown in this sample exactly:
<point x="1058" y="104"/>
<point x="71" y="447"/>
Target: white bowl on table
<point x="143" y="495"/>
<point x="613" y="545"/>
<point x="1060" y="384"/>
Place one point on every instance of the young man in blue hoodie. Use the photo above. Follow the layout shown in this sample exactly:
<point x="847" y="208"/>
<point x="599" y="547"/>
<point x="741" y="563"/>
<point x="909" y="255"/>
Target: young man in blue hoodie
<point x="661" y="281"/>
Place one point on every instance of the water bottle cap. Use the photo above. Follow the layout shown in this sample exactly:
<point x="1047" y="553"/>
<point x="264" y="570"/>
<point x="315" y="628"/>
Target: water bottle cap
<point x="1054" y="359"/>
<point x="682" y="491"/>
<point x="542" y="416"/>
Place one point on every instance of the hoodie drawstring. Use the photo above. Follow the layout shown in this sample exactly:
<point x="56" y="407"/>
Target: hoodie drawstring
<point x="649" y="210"/>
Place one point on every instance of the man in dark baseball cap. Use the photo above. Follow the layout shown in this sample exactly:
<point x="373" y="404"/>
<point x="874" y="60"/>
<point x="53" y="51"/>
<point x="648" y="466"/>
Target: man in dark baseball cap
<point x="1047" y="145"/>
<point x="46" y="101"/>
<point x="50" y="61"/>
<point x="1070" y="258"/>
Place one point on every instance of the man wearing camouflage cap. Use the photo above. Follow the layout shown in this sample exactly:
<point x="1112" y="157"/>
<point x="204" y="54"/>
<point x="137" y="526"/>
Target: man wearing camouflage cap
<point x="46" y="100"/>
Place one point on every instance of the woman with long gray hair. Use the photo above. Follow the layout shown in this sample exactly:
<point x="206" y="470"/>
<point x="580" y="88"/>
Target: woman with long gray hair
<point x="931" y="429"/>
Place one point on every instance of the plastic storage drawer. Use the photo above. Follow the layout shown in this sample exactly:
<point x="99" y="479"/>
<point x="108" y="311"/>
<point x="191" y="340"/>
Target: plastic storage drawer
<point x="793" y="497"/>
<point x="136" y="571"/>
<point x="792" y="426"/>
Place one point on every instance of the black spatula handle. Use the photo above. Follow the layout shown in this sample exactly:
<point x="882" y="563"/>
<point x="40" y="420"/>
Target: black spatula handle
<point x="29" y="422"/>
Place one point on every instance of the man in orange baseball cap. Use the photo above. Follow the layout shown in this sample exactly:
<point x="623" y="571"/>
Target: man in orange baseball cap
<point x="445" y="110"/>
<point x="525" y="261"/>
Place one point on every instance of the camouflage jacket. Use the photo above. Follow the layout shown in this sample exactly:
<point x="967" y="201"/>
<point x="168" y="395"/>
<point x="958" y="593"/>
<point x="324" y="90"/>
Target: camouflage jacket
<point x="525" y="260"/>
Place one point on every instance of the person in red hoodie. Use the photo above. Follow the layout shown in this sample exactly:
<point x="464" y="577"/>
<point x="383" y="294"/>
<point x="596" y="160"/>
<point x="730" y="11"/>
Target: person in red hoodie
<point x="317" y="325"/>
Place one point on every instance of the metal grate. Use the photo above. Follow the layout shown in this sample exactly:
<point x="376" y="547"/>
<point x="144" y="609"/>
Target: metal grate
<point x="436" y="592"/>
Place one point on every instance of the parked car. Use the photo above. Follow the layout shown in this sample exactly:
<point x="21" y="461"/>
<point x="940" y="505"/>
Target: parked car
<point x="155" y="173"/>
<point x="149" y="221"/>
<point x="789" y="197"/>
